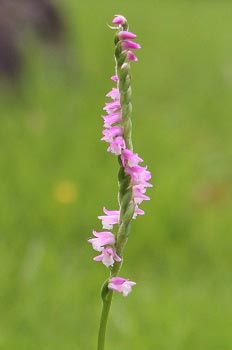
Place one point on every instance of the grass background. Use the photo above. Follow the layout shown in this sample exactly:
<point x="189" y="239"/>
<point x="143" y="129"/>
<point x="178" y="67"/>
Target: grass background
<point x="56" y="175"/>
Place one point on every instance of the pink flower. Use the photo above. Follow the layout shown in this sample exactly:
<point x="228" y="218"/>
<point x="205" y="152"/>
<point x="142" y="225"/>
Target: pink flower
<point x="112" y="106"/>
<point x="121" y="284"/>
<point x="108" y="257"/>
<point x="138" y="211"/>
<point x="117" y="145"/>
<point x="119" y="19"/>
<point x="103" y="238"/>
<point x="111" y="218"/>
<point x="112" y="132"/>
<point x="111" y="119"/>
<point x="124" y="34"/>
<point x="131" y="56"/>
<point x="114" y="94"/>
<point x="128" y="44"/>
<point x="138" y="194"/>
<point x="131" y="158"/>
<point x="139" y="175"/>
<point x="114" y="78"/>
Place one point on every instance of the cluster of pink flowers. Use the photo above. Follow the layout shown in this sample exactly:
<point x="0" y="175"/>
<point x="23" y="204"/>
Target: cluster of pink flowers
<point x="139" y="175"/>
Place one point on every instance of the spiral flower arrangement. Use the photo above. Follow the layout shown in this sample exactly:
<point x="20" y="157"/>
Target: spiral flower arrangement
<point x="132" y="177"/>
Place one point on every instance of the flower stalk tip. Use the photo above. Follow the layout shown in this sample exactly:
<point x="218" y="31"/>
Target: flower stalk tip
<point x="119" y="19"/>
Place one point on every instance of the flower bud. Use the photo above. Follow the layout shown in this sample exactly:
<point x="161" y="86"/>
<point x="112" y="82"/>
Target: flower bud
<point x="124" y="34"/>
<point x="119" y="19"/>
<point x="127" y="44"/>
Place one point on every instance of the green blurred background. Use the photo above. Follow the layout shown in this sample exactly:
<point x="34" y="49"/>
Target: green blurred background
<point x="55" y="177"/>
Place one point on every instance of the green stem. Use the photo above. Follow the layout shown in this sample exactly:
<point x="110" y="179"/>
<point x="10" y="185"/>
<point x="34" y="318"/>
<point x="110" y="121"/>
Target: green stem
<point x="106" y="303"/>
<point x="103" y="322"/>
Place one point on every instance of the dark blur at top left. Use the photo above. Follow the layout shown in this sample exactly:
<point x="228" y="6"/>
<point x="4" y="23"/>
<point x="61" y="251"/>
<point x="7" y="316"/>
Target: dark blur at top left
<point x="17" y="19"/>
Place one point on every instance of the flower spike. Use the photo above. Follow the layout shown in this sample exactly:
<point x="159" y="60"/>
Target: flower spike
<point x="133" y="178"/>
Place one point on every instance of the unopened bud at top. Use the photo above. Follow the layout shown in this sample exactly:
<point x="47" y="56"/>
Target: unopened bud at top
<point x="119" y="19"/>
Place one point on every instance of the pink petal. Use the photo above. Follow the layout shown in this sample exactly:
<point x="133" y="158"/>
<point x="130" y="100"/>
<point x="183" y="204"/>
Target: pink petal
<point x="131" y="56"/>
<point x="112" y="132"/>
<point x="124" y="34"/>
<point x="128" y="44"/>
<point x="112" y="106"/>
<point x="118" y="280"/>
<point x="138" y="211"/>
<point x="111" y="218"/>
<point x="131" y="158"/>
<point x="114" y="78"/>
<point x="121" y="285"/>
<point x="117" y="145"/>
<point x="98" y="257"/>
<point x="114" y="93"/>
<point x="110" y="212"/>
<point x="111" y="119"/>
<point x="119" y="19"/>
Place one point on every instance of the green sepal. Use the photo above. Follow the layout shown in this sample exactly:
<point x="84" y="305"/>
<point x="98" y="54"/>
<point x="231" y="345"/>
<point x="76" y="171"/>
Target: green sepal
<point x="128" y="128"/>
<point x="122" y="236"/>
<point x="116" y="39"/>
<point x="125" y="97"/>
<point x="124" y="182"/>
<point x="125" y="202"/>
<point x="118" y="50"/>
<point x="124" y="77"/>
<point x="128" y="216"/>
<point x="121" y="174"/>
<point x="126" y="110"/>
<point x="121" y="59"/>
<point x="120" y="161"/>
<point x="105" y="292"/>
<point x="125" y="26"/>
<point x="124" y="85"/>
<point x="124" y="185"/>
